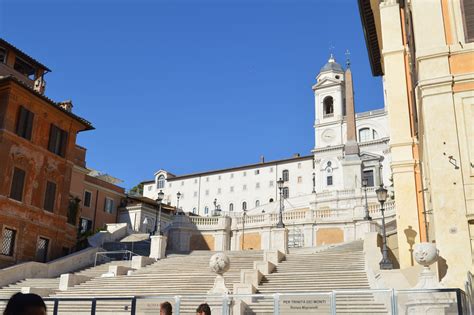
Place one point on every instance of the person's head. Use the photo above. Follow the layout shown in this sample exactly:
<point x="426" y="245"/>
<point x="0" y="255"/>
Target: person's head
<point x="166" y="308"/>
<point x="25" y="304"/>
<point x="203" y="309"/>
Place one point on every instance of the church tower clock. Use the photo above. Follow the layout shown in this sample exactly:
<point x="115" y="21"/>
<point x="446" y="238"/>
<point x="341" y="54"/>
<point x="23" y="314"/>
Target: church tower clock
<point x="329" y="103"/>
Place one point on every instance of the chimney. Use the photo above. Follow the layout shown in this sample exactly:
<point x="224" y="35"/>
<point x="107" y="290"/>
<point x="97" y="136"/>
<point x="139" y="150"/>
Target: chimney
<point x="262" y="159"/>
<point x="351" y="147"/>
<point x="67" y="105"/>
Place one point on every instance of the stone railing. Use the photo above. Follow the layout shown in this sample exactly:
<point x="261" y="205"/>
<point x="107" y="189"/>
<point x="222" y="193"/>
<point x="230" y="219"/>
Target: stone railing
<point x="207" y="221"/>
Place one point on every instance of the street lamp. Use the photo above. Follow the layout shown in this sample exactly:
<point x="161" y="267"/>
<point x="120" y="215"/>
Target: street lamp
<point x="178" y="195"/>
<point x="280" y="184"/>
<point x="365" y="182"/>
<point x="385" y="263"/>
<point x="158" y="214"/>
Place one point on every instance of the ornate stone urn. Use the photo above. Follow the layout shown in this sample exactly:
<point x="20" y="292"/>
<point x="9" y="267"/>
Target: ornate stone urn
<point x="219" y="264"/>
<point x="426" y="254"/>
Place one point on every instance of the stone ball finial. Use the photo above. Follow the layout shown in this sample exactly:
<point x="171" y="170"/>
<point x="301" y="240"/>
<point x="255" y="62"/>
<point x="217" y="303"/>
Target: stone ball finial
<point x="219" y="263"/>
<point x="426" y="254"/>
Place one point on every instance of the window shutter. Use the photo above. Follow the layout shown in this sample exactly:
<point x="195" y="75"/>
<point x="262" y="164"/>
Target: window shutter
<point x="21" y="122"/>
<point x="468" y="12"/>
<point x="63" y="144"/>
<point x="18" y="182"/>
<point x="50" y="196"/>
<point x="53" y="134"/>
<point x="29" y="125"/>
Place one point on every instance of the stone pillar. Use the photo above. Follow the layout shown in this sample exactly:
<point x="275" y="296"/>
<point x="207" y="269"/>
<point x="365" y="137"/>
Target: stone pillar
<point x="280" y="239"/>
<point x="158" y="246"/>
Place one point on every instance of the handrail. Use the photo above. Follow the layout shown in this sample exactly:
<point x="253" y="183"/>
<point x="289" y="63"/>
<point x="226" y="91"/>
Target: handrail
<point x="129" y="254"/>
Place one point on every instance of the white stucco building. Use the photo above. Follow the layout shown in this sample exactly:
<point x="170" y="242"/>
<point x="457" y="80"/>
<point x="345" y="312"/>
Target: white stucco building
<point x="328" y="177"/>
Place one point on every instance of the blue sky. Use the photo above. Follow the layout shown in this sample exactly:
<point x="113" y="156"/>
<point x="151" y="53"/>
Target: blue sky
<point x="190" y="86"/>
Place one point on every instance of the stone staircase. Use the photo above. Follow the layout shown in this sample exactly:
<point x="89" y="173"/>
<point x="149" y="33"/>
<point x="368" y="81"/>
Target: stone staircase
<point x="304" y="270"/>
<point x="309" y="270"/>
<point x="176" y="275"/>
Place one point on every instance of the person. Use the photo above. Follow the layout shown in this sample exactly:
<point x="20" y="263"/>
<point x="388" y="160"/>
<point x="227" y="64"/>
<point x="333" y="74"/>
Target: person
<point x="203" y="309"/>
<point x="25" y="304"/>
<point x="166" y="308"/>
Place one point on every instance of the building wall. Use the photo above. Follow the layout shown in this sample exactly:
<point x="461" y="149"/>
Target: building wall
<point x="28" y="217"/>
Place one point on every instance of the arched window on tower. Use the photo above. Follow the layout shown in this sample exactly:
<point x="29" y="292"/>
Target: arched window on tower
<point x="231" y="207"/>
<point x="257" y="203"/>
<point x="364" y="135"/>
<point x="160" y="183"/>
<point x="328" y="106"/>
<point x="244" y="205"/>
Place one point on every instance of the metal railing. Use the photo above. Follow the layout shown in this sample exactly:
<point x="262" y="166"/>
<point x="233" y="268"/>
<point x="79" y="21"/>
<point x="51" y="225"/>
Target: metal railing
<point x="108" y="256"/>
<point x="387" y="301"/>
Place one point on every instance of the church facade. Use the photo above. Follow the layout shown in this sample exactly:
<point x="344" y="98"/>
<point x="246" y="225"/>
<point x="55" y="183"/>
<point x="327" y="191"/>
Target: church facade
<point x="348" y="148"/>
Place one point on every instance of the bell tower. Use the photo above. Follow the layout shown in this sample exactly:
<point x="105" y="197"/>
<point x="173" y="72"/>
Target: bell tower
<point x="329" y="102"/>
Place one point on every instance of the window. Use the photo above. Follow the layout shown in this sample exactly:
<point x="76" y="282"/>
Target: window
<point x="245" y="174"/>
<point x="329" y="180"/>
<point x="3" y="55"/>
<point x="271" y="183"/>
<point x="300" y="179"/>
<point x="231" y="207"/>
<point x="328" y="105"/>
<point x="231" y="188"/>
<point x="369" y="175"/>
<point x="42" y="249"/>
<point x="207" y="179"/>
<point x="231" y="175"/>
<point x="467" y="9"/>
<point x="206" y="210"/>
<point x="160" y="182"/>
<point x="257" y="185"/>
<point x="286" y="192"/>
<point x="257" y="203"/>
<point x="88" y="198"/>
<point x="270" y="200"/>
<point x="286" y="175"/>
<point x="18" y="182"/>
<point x="195" y="181"/>
<point x="219" y="177"/>
<point x="207" y="192"/>
<point x="271" y="169"/>
<point x="194" y="210"/>
<point x="24" y="68"/>
<point x="8" y="242"/>
<point x="73" y="210"/>
<point x="85" y="225"/>
<point x="257" y="172"/>
<point x="244" y="205"/>
<point x="24" y="123"/>
<point x="299" y="165"/>
<point x="149" y="188"/>
<point x="244" y="187"/>
<point x="182" y="183"/>
<point x="109" y="205"/>
<point x="375" y="134"/>
<point x="57" y="141"/>
<point x="49" y="196"/>
<point x="364" y="135"/>
<point x="195" y="194"/>
<point x="219" y="191"/>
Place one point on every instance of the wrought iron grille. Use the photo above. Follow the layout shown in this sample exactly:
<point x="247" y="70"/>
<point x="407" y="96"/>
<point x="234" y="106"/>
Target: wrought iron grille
<point x="42" y="249"/>
<point x="8" y="242"/>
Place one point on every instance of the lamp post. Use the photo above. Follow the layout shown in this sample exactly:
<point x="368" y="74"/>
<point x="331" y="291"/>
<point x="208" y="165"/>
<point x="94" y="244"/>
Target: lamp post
<point x="280" y="223"/>
<point x="365" y="182"/>
<point x="385" y="263"/>
<point x="178" y="195"/>
<point x="158" y="214"/>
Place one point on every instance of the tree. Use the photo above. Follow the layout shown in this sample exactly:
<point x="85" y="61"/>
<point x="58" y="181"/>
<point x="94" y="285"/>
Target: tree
<point x="136" y="190"/>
